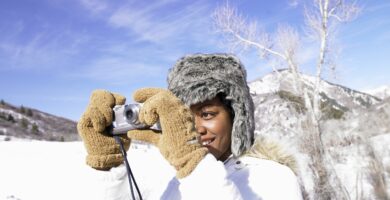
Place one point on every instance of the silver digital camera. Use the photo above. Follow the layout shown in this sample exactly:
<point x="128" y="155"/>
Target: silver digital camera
<point x="126" y="118"/>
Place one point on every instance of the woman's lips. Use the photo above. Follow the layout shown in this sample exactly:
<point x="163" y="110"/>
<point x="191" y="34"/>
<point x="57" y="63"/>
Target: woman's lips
<point x="207" y="141"/>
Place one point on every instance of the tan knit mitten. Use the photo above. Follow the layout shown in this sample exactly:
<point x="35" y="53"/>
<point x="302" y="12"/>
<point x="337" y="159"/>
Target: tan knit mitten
<point x="103" y="152"/>
<point x="177" y="127"/>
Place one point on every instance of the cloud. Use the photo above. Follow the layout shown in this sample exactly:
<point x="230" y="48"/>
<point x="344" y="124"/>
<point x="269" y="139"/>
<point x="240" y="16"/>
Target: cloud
<point x="293" y="3"/>
<point x="94" y="6"/>
<point x="164" y="29"/>
<point x="44" y="49"/>
<point x="119" y="71"/>
<point x="161" y="22"/>
<point x="20" y="55"/>
<point x="370" y="25"/>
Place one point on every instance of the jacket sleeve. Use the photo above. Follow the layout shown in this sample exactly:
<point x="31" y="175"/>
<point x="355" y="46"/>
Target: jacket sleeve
<point x="103" y="185"/>
<point x="209" y="181"/>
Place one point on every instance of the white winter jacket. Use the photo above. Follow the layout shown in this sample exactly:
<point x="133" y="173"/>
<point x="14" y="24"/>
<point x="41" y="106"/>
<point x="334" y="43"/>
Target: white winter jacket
<point x="246" y="177"/>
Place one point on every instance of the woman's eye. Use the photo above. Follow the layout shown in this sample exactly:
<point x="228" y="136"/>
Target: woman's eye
<point x="207" y="115"/>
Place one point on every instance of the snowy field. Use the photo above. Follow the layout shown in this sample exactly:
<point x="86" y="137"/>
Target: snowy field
<point x="32" y="170"/>
<point x="37" y="170"/>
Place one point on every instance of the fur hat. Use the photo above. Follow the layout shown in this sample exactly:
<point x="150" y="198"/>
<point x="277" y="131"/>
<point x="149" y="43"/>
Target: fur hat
<point x="200" y="77"/>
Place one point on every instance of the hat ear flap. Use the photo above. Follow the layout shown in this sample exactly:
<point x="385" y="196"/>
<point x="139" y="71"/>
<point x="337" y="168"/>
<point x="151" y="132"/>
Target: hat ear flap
<point x="243" y="124"/>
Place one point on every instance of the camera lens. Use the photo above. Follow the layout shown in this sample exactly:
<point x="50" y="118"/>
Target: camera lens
<point x="131" y="113"/>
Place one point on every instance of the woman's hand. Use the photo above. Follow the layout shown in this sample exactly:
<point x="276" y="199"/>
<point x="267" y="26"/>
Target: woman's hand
<point x="177" y="127"/>
<point x="103" y="152"/>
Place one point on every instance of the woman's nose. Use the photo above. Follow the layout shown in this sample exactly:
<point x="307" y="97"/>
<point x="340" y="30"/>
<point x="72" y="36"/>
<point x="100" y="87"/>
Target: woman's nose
<point x="201" y="129"/>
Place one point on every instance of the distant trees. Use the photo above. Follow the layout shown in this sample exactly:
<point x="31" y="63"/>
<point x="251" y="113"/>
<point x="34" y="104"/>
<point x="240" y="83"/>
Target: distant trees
<point x="10" y="118"/>
<point x="29" y="112"/>
<point x="34" y="128"/>
<point x="22" y="120"/>
<point x="7" y="117"/>
<point x="24" y="123"/>
<point x="26" y="111"/>
<point x="22" y="109"/>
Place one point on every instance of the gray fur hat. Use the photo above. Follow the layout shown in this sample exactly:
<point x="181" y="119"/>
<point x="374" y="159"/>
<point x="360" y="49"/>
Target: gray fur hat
<point x="200" y="77"/>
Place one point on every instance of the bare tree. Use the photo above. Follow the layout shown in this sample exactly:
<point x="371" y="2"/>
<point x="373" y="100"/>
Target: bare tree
<point x="321" y="20"/>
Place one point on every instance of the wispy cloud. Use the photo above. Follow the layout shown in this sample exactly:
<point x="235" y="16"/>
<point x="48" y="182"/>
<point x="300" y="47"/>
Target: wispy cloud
<point x="145" y="38"/>
<point x="149" y="23"/>
<point x="94" y="6"/>
<point x="293" y="3"/>
<point x="367" y="25"/>
<point x="45" y="49"/>
<point x="155" y="32"/>
<point x="119" y="71"/>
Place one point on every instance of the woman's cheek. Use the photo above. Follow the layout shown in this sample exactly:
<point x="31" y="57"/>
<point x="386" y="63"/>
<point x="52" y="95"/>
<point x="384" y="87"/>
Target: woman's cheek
<point x="211" y="126"/>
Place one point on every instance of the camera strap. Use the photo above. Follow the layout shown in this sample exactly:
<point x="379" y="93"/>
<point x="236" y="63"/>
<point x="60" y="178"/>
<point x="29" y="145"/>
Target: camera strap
<point x="128" y="169"/>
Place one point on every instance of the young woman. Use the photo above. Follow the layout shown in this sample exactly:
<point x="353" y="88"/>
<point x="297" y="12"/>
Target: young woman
<point x="207" y="123"/>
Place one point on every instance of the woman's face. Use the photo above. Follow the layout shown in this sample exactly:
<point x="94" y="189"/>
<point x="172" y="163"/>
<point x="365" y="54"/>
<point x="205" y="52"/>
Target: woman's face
<point x="213" y="122"/>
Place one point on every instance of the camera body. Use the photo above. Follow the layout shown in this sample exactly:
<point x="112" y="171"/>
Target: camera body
<point x="126" y="119"/>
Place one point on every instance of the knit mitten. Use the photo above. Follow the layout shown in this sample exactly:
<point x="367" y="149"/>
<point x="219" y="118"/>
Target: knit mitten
<point x="177" y="127"/>
<point x="103" y="152"/>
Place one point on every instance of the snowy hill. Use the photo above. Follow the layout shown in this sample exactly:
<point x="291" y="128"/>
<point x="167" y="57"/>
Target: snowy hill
<point x="279" y="108"/>
<point x="283" y="81"/>
<point x="382" y="92"/>
<point x="27" y="123"/>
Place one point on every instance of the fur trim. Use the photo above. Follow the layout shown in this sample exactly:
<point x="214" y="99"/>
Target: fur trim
<point x="265" y="148"/>
<point x="200" y="77"/>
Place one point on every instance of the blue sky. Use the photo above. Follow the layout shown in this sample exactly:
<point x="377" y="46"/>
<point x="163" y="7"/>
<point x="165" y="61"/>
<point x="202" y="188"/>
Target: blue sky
<point x="54" y="53"/>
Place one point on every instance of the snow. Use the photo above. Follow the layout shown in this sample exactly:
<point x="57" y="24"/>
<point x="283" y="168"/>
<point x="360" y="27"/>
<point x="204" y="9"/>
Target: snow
<point x="42" y="170"/>
<point x="19" y="116"/>
<point x="39" y="170"/>
<point x="11" y="112"/>
<point x="8" y="138"/>
<point x="381" y="92"/>
<point x="268" y="84"/>
<point x="382" y="150"/>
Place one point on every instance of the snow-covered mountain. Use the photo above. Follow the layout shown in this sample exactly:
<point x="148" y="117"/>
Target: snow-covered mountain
<point x="382" y="92"/>
<point x="280" y="108"/>
<point x="352" y="123"/>
<point x="28" y="123"/>
<point x="282" y="80"/>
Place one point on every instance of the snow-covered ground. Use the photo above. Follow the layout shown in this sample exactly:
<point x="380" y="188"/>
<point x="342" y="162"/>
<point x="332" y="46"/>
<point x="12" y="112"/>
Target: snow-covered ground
<point x="37" y="170"/>
<point x="42" y="170"/>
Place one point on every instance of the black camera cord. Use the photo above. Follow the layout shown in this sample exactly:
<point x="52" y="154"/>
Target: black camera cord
<point x="128" y="169"/>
